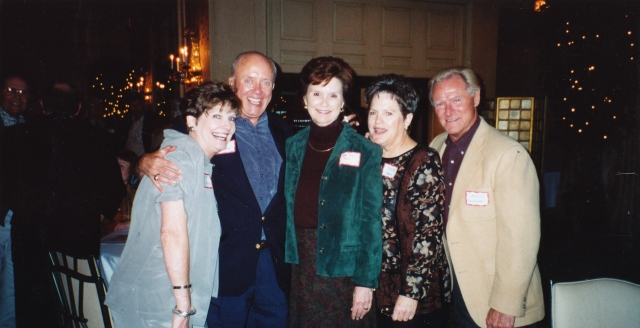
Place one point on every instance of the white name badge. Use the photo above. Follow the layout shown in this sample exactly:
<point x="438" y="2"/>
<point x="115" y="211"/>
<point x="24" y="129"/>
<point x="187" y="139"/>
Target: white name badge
<point x="475" y="198"/>
<point x="207" y="181"/>
<point x="350" y="158"/>
<point x="231" y="148"/>
<point x="389" y="171"/>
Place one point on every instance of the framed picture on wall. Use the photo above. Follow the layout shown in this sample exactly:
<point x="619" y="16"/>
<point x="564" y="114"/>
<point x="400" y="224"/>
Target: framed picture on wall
<point x="514" y="117"/>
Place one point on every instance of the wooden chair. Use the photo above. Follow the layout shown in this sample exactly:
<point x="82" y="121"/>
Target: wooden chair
<point x="81" y="291"/>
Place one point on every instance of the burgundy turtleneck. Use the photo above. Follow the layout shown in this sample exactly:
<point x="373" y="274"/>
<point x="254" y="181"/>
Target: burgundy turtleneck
<point x="305" y="209"/>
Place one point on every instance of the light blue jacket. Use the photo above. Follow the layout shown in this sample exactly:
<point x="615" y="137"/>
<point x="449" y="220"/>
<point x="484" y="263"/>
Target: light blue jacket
<point x="140" y="283"/>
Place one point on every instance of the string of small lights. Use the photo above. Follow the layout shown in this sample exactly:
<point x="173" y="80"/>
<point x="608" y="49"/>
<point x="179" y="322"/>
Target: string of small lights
<point x="114" y="96"/>
<point x="596" y="58"/>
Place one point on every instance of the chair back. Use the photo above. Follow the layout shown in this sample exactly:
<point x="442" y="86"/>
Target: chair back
<point x="80" y="291"/>
<point x="595" y="303"/>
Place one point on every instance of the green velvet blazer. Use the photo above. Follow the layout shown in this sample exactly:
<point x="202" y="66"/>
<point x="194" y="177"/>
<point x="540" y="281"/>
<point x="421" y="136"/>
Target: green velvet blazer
<point x="349" y="216"/>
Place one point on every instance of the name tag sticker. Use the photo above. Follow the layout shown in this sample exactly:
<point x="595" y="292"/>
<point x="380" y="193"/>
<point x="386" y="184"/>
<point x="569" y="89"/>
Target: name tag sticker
<point x="350" y="158"/>
<point x="389" y="171"/>
<point x="231" y="148"/>
<point x="207" y="181"/>
<point x="475" y="198"/>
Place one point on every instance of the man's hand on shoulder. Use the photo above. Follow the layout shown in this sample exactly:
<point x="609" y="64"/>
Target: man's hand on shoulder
<point x="159" y="169"/>
<point x="496" y="319"/>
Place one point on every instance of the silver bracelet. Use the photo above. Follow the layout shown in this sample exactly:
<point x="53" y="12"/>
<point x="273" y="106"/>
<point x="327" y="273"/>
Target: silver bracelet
<point x="181" y="314"/>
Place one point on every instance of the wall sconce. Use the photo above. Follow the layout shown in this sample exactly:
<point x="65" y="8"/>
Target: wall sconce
<point x="188" y="67"/>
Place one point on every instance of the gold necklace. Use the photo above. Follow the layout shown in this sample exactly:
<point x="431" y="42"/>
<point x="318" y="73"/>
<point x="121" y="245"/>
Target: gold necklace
<point x="320" y="151"/>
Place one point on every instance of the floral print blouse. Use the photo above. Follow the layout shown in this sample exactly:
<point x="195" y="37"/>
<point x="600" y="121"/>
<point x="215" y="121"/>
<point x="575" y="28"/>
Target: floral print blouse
<point x="414" y="263"/>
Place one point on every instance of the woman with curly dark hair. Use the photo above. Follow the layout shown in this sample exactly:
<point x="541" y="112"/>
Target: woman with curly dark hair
<point x="414" y="279"/>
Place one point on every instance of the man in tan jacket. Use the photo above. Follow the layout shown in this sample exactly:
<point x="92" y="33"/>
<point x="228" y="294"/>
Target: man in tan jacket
<point x="492" y="212"/>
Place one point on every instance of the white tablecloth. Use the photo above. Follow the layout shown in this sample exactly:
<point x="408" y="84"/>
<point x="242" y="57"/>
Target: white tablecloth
<point x="111" y="248"/>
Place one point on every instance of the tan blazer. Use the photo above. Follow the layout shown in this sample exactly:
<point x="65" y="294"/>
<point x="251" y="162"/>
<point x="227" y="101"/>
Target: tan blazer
<point x="492" y="243"/>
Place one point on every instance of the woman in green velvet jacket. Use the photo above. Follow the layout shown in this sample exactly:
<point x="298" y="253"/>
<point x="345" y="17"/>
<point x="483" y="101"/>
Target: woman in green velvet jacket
<point x="333" y="192"/>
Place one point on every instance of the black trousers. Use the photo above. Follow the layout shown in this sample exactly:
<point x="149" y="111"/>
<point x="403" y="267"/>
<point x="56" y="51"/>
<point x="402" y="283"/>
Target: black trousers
<point x="36" y="305"/>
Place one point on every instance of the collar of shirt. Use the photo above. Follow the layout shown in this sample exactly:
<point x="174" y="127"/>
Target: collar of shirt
<point x="463" y="142"/>
<point x="244" y="124"/>
<point x="9" y="120"/>
<point x="260" y="158"/>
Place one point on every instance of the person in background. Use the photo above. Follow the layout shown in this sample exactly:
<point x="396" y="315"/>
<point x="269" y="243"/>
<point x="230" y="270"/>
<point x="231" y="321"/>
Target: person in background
<point x="59" y="179"/>
<point x="122" y="220"/>
<point x="492" y="211"/>
<point x="175" y="233"/>
<point x="249" y="181"/>
<point x="144" y="122"/>
<point x="332" y="188"/>
<point x="15" y="97"/>
<point x="414" y="280"/>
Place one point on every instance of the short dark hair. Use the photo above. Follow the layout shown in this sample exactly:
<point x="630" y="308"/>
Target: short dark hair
<point x="207" y="96"/>
<point x="398" y="87"/>
<point x="11" y="77"/>
<point x="235" y="62"/>
<point x="62" y="98"/>
<point x="321" y="70"/>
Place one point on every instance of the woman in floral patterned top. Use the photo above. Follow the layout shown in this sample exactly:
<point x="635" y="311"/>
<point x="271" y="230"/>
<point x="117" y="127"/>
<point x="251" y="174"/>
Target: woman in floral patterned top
<point x="414" y="278"/>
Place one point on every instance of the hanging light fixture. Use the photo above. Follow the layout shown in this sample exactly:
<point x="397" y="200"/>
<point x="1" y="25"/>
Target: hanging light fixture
<point x="540" y="5"/>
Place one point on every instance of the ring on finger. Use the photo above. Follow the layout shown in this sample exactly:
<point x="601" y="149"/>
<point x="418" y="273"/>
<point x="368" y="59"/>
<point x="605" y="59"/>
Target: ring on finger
<point x="155" y="177"/>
